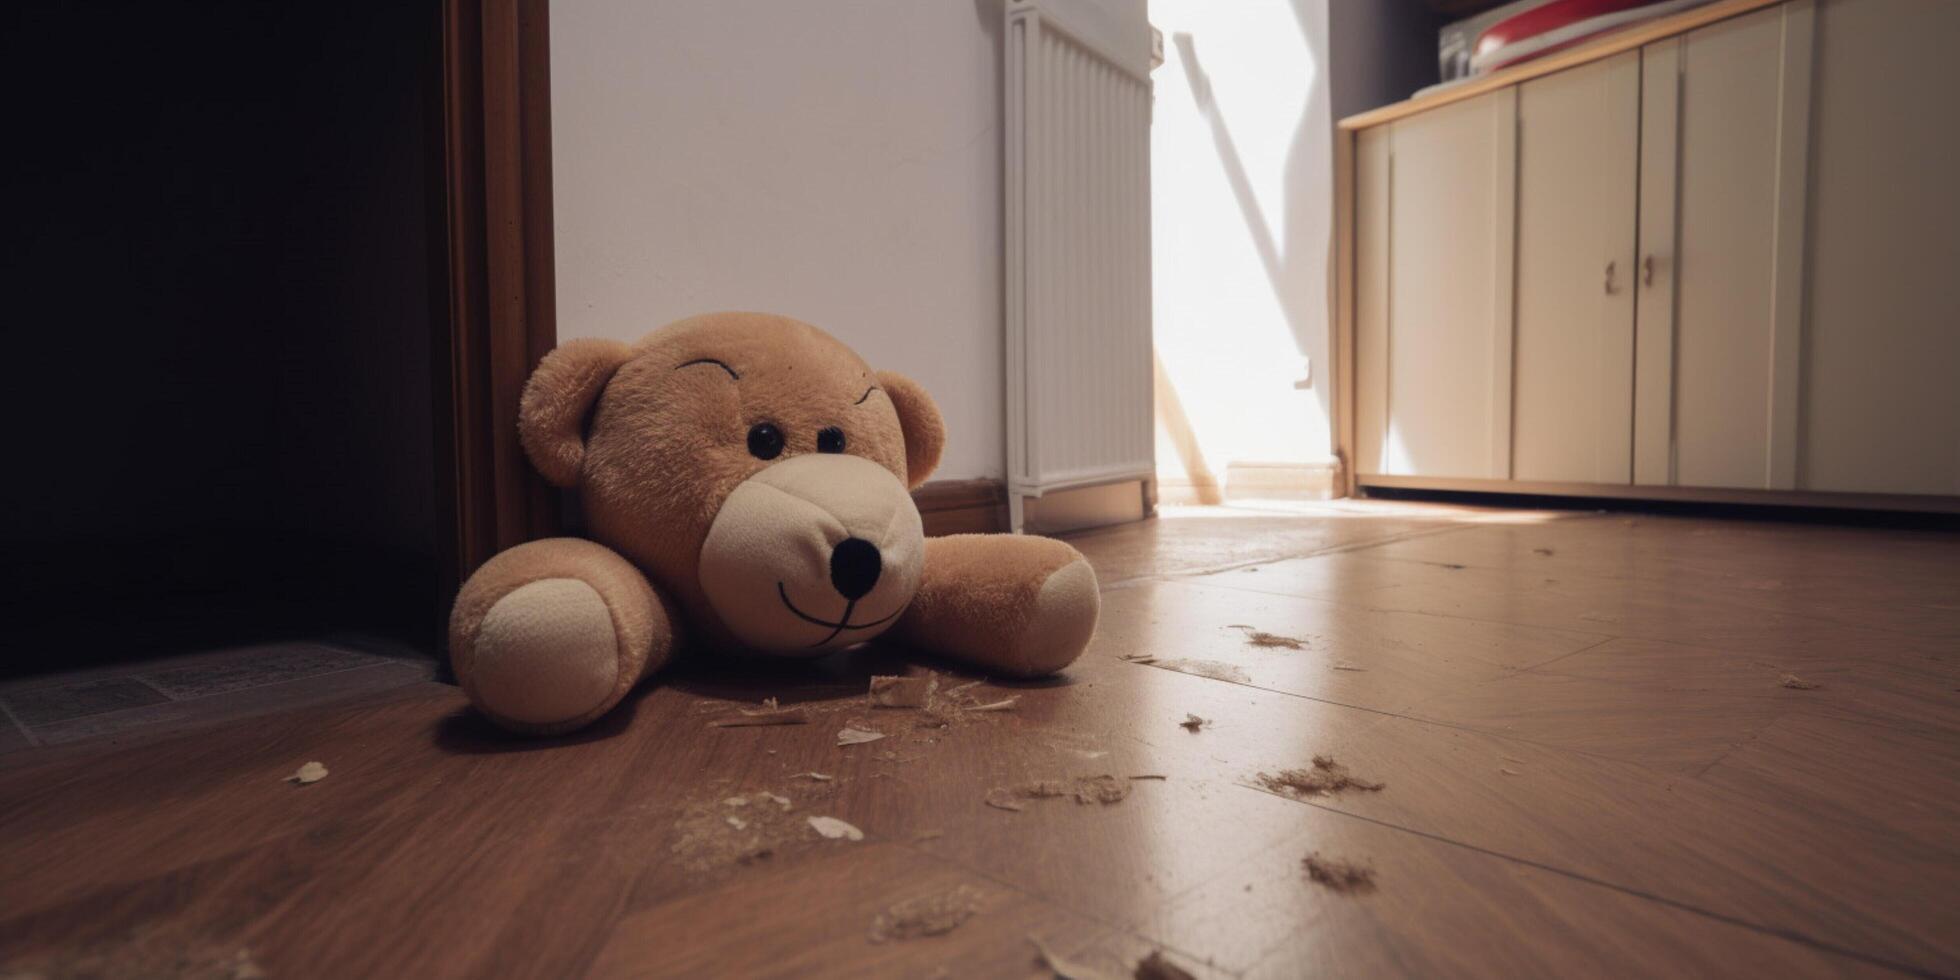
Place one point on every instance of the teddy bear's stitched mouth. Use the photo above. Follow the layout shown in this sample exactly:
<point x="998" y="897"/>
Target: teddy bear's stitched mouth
<point x="843" y="622"/>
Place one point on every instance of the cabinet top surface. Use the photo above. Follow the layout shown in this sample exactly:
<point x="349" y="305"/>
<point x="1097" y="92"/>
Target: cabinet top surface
<point x="1603" y="47"/>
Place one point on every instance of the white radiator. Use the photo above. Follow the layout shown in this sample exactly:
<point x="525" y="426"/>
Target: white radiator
<point x="1077" y="100"/>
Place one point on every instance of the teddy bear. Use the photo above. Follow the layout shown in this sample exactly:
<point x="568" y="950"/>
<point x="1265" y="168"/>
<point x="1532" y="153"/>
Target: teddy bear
<point x="745" y="480"/>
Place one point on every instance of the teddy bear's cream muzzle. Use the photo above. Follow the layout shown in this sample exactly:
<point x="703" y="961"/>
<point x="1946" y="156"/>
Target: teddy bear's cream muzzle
<point x="812" y="554"/>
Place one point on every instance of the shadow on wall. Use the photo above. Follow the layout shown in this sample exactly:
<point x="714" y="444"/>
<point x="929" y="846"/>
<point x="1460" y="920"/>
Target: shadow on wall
<point x="1245" y="220"/>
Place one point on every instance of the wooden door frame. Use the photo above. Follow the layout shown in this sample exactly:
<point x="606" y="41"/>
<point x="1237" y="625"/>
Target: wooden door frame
<point x="497" y="306"/>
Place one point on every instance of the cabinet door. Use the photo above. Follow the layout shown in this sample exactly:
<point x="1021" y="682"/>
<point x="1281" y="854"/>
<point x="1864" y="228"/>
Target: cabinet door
<point x="1880" y="401"/>
<point x="1434" y="220"/>
<point x="1721" y="205"/>
<point x="1578" y="148"/>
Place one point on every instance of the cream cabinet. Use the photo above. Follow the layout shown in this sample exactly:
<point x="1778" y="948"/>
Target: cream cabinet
<point x="1714" y="257"/>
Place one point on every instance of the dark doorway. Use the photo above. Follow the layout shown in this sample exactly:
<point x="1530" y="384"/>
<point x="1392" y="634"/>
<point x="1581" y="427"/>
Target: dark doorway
<point x="233" y="327"/>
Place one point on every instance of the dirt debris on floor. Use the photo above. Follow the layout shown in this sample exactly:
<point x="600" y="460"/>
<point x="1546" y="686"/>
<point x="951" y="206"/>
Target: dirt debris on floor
<point x="1544" y="552"/>
<point x="736" y="830"/>
<point x="1795" y="683"/>
<point x="1217" y="670"/>
<point x="902" y="692"/>
<point x="1192" y="723"/>
<point x="1139" y="658"/>
<point x="150" y="953"/>
<point x="1348" y="665"/>
<point x="1103" y="790"/>
<point x="1347" y="877"/>
<point x="1261" y="638"/>
<point x="312" y="772"/>
<point x="928" y="915"/>
<point x="1326" y="777"/>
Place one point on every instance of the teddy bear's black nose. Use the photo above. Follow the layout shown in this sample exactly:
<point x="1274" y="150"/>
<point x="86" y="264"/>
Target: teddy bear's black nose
<point x="854" y="567"/>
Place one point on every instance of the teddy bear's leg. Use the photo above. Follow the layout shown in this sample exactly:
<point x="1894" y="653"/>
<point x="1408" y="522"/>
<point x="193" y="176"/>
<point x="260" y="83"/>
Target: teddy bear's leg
<point x="549" y="635"/>
<point x="1011" y="604"/>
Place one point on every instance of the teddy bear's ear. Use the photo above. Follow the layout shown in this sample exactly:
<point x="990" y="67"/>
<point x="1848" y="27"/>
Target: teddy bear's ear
<point x="558" y="399"/>
<point x="925" y="432"/>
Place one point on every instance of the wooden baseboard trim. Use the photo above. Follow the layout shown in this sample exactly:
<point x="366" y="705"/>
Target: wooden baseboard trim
<point x="962" y="507"/>
<point x="1713" y="495"/>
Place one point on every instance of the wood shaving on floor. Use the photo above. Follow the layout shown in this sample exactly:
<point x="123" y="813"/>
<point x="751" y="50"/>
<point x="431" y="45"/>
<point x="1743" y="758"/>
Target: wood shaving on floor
<point x="1064" y="969"/>
<point x="312" y="772"/>
<point x="1325" y="778"/>
<point x="1215" y="669"/>
<point x="1795" y="683"/>
<point x="1192" y="723"/>
<point x="1139" y="658"/>
<point x="1002" y="799"/>
<point x="818" y="776"/>
<point x="1150" y="775"/>
<point x="857" y="736"/>
<point x="902" y="692"/>
<point x="1002" y="705"/>
<point x="1345" y="665"/>
<point x="771" y="713"/>
<point x="928" y="915"/>
<point x="1157" y="967"/>
<point x="831" y="828"/>
<point x="1338" y="875"/>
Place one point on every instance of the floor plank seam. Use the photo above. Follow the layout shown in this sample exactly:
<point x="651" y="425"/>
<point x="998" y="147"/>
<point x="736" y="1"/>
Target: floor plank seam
<point x="1774" y="931"/>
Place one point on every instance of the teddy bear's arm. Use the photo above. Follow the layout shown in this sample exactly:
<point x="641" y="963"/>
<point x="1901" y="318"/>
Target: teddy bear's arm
<point x="1011" y="604"/>
<point x="549" y="635"/>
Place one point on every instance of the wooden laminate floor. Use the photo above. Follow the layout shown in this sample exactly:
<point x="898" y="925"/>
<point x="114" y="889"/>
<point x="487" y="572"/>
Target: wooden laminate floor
<point x="1608" y="744"/>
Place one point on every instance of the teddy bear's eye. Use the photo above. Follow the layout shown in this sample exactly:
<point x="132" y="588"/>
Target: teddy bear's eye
<point x="830" y="440"/>
<point x="765" y="440"/>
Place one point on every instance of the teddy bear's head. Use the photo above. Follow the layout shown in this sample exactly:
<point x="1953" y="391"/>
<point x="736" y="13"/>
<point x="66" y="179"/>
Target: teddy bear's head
<point x="752" y="465"/>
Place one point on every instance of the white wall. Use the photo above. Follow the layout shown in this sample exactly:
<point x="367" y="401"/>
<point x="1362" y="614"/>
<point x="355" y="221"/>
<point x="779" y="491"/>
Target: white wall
<point x="838" y="162"/>
<point x="1242" y="204"/>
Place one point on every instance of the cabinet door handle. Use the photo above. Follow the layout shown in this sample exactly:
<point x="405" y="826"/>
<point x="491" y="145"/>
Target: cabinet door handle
<point x="1647" y="270"/>
<point x="1610" y="267"/>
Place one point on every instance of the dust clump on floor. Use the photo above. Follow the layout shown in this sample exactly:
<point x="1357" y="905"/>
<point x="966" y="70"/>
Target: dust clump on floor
<point x="312" y="772"/>
<point x="1215" y="669"/>
<point x="1261" y="638"/>
<point x="1086" y="790"/>
<point x="1325" y="778"/>
<point x="1347" y="877"/>
<point x="1795" y="683"/>
<point x="1192" y="723"/>
<point x="902" y="692"/>
<point x="927" y="915"/>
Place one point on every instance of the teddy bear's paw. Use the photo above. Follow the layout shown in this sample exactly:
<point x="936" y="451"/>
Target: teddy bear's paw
<point x="1062" y="621"/>
<point x="546" y="655"/>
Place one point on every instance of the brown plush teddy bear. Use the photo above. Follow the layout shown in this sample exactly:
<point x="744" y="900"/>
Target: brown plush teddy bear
<point x="745" y="480"/>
